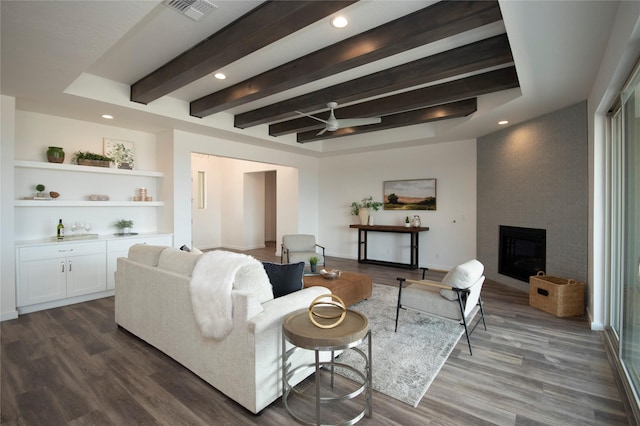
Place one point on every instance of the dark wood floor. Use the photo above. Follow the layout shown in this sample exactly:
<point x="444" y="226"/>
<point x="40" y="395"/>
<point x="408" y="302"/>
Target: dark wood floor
<point x="72" y="365"/>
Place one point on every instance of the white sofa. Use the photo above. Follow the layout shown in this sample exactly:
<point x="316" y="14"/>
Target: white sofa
<point x="153" y="302"/>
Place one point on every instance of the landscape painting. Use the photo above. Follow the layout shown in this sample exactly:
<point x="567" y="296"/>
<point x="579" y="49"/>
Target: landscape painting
<point x="417" y="194"/>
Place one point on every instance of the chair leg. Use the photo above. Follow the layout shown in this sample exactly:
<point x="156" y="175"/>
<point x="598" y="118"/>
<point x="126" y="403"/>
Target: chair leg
<point x="464" y="321"/>
<point x="482" y="312"/>
<point x="398" y="305"/>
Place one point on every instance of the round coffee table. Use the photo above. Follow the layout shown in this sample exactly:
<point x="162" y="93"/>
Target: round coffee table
<point x="298" y="330"/>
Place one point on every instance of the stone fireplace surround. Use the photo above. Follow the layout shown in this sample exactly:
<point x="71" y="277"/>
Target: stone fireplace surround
<point x="535" y="175"/>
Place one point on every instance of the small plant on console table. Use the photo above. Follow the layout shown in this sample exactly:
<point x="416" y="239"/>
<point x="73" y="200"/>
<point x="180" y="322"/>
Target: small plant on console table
<point x="365" y="208"/>
<point x="313" y="263"/>
<point x="124" y="226"/>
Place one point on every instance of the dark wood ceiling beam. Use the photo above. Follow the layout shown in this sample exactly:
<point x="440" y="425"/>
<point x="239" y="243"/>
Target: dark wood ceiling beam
<point x="262" y="26"/>
<point x="464" y="88"/>
<point x="491" y="52"/>
<point x="424" y="115"/>
<point x="436" y="22"/>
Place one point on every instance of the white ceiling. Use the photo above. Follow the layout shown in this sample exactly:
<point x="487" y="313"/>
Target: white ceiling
<point x="78" y="58"/>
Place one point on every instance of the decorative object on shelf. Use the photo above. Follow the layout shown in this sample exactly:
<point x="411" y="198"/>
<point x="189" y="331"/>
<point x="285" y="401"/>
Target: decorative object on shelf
<point x="55" y="154"/>
<point x="416" y="194"/>
<point x="321" y="310"/>
<point x="313" y="263"/>
<point x="330" y="274"/>
<point x="415" y="222"/>
<point x="91" y="159"/>
<point x="124" y="225"/>
<point x="40" y="194"/>
<point x="142" y="195"/>
<point x="364" y="209"/>
<point x="407" y="222"/>
<point x="121" y="152"/>
<point x="54" y="194"/>
<point x="98" y="197"/>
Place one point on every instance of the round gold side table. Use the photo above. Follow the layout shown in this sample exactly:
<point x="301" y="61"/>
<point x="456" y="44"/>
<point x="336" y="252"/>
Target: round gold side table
<point x="299" y="331"/>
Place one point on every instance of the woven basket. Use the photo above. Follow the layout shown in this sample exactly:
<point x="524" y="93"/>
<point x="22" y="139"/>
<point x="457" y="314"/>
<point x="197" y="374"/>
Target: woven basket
<point x="558" y="296"/>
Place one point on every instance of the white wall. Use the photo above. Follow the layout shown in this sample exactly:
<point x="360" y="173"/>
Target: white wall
<point x="451" y="238"/>
<point x="296" y="181"/>
<point x="7" y="262"/>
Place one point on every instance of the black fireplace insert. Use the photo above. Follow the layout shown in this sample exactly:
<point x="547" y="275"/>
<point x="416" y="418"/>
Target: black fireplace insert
<point x="522" y="252"/>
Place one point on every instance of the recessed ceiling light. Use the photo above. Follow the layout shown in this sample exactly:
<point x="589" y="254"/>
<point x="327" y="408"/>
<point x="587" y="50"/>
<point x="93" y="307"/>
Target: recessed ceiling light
<point x="220" y="76"/>
<point x="339" y="22"/>
<point x="107" y="116"/>
<point x="503" y="122"/>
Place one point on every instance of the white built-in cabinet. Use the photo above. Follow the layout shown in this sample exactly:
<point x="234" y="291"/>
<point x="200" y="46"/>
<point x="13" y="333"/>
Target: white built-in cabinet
<point x="51" y="273"/>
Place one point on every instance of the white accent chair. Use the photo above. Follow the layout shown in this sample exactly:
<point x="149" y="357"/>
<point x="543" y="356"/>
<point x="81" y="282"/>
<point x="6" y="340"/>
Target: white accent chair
<point x="299" y="248"/>
<point x="454" y="298"/>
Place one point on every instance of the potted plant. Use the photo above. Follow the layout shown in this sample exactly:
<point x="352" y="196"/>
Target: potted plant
<point x="124" y="226"/>
<point x="364" y="209"/>
<point x="40" y="188"/>
<point x="313" y="263"/>
<point x="87" y="158"/>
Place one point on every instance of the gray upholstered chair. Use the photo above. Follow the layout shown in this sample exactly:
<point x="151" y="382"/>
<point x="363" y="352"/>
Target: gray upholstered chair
<point x="299" y="248"/>
<point x="454" y="298"/>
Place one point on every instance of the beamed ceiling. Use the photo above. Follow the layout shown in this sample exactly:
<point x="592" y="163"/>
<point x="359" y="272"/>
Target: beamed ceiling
<point x="438" y="86"/>
<point x="423" y="71"/>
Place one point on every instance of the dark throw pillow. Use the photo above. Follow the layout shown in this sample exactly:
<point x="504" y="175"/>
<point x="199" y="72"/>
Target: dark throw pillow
<point x="285" y="278"/>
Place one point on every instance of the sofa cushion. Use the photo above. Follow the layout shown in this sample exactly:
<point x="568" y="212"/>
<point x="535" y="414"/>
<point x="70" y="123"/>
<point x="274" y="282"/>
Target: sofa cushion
<point x="145" y="254"/>
<point x="254" y="279"/>
<point x="178" y="261"/>
<point x="464" y="275"/>
<point x="285" y="278"/>
<point x="449" y="294"/>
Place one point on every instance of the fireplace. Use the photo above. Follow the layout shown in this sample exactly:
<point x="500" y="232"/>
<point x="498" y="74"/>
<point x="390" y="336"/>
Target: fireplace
<point x="522" y="252"/>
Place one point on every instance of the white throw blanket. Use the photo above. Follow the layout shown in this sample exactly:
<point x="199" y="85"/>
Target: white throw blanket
<point x="210" y="287"/>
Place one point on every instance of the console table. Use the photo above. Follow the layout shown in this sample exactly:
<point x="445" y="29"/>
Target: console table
<point x="414" y="233"/>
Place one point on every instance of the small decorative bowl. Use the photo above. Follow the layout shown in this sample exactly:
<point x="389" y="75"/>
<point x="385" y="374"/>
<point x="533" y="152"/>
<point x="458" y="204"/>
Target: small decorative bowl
<point x="330" y="275"/>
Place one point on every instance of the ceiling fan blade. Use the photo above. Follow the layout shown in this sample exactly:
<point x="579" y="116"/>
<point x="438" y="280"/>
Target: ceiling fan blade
<point x="349" y="122"/>
<point x="321" y="132"/>
<point x="311" y="116"/>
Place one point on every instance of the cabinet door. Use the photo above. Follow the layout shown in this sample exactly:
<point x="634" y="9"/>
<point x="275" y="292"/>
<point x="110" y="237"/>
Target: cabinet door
<point x="86" y="274"/>
<point x="41" y="281"/>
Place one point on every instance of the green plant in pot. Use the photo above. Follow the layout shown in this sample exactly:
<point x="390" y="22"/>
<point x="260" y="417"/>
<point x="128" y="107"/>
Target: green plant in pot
<point x="91" y="159"/>
<point x="313" y="263"/>
<point x="124" y="226"/>
<point x="364" y="209"/>
<point x="40" y="188"/>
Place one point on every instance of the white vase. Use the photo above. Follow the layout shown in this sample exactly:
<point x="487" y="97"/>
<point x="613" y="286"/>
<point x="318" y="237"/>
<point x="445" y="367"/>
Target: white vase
<point x="364" y="216"/>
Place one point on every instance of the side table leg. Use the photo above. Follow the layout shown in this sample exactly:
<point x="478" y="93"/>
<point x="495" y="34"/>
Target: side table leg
<point x="370" y="380"/>
<point x="317" y="377"/>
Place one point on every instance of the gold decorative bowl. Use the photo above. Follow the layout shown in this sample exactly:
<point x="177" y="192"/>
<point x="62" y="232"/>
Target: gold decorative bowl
<point x="331" y="274"/>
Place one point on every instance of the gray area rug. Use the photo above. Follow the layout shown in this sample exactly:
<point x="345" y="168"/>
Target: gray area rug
<point x="404" y="363"/>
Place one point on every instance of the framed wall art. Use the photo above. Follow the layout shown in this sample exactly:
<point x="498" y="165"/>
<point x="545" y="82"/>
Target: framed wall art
<point x="121" y="152"/>
<point x="415" y="194"/>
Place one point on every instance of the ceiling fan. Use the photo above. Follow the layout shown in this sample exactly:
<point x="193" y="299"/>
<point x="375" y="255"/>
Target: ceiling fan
<point x="332" y="123"/>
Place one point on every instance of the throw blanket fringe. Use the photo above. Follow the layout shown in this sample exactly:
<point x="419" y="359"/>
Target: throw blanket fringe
<point x="210" y="288"/>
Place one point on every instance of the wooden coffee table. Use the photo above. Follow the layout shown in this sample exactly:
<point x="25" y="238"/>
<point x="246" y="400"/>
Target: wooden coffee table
<point x="351" y="287"/>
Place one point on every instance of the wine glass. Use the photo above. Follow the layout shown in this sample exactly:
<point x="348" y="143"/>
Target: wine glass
<point x="74" y="227"/>
<point x="87" y="227"/>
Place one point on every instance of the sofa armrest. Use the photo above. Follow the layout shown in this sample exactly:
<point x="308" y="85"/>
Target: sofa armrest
<point x="277" y="309"/>
<point x="245" y="306"/>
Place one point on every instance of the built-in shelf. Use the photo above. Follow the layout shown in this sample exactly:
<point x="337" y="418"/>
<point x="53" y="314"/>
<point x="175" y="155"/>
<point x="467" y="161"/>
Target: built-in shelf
<point x="63" y="203"/>
<point x="85" y="169"/>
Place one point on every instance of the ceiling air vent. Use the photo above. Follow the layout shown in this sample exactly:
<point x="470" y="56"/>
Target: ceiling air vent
<point x="194" y="9"/>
